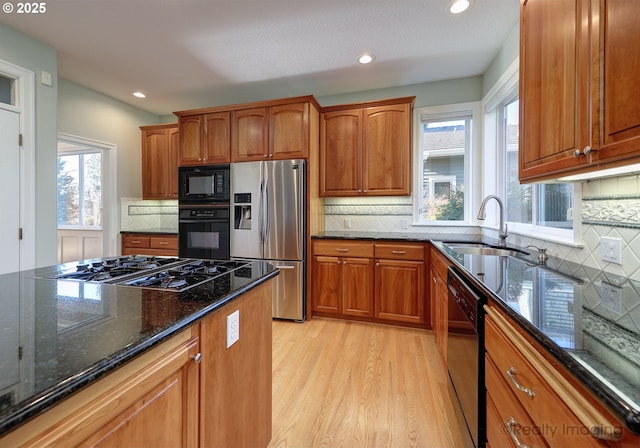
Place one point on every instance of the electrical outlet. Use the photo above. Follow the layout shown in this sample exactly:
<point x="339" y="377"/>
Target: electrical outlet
<point x="347" y="223"/>
<point x="611" y="297"/>
<point x="404" y="224"/>
<point x="611" y="249"/>
<point x="233" y="328"/>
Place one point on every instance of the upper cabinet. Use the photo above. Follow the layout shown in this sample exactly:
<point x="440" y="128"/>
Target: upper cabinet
<point x="365" y="149"/>
<point x="579" y="64"/>
<point x="269" y="130"/>
<point x="160" y="161"/>
<point x="205" y="138"/>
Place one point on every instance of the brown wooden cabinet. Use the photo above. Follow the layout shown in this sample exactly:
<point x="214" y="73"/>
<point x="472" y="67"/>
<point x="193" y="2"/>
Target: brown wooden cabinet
<point x="160" y="161"/>
<point x="373" y="281"/>
<point x="536" y="399"/>
<point x="343" y="278"/>
<point x="205" y="138"/>
<point x="399" y="287"/>
<point x="579" y="67"/>
<point x="150" y="244"/>
<point x="365" y="149"/>
<point x="439" y="300"/>
<point x="267" y="130"/>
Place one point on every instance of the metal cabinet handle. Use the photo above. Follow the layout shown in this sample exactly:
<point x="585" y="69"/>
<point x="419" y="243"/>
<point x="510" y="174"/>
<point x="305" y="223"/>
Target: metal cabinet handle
<point x="526" y="390"/>
<point x="399" y="252"/>
<point x="509" y="425"/>
<point x="136" y="242"/>
<point x="342" y="250"/>
<point x="164" y="242"/>
<point x="586" y="151"/>
<point x="197" y="358"/>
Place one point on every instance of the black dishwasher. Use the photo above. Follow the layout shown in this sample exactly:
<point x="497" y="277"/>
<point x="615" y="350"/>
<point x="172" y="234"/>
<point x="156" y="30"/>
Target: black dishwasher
<point x="465" y="358"/>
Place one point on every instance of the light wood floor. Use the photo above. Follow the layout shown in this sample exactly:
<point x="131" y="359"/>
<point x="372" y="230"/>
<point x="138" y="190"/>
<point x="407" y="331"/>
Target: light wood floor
<point x="348" y="384"/>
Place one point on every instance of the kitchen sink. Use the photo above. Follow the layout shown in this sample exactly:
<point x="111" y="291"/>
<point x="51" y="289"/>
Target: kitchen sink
<point x="485" y="249"/>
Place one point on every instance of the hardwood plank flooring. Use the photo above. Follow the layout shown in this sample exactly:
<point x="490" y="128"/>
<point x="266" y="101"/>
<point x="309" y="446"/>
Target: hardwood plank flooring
<point x="352" y="384"/>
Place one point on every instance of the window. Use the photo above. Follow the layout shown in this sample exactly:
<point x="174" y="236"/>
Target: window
<point x="7" y="90"/>
<point x="444" y="150"/>
<point x="79" y="186"/>
<point x="533" y="208"/>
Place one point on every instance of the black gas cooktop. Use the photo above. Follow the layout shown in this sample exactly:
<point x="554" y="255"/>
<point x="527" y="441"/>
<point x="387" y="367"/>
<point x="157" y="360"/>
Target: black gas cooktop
<point x="174" y="274"/>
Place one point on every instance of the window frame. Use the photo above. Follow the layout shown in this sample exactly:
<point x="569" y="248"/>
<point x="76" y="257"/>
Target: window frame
<point x="505" y="91"/>
<point x="470" y="110"/>
<point x="80" y="153"/>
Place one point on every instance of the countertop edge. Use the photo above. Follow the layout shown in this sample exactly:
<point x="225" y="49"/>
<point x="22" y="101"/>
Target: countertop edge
<point x="625" y="413"/>
<point x="149" y="232"/>
<point x="49" y="398"/>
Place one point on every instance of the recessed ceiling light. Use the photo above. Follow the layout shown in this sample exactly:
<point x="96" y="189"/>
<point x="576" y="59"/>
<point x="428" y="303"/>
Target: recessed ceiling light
<point x="139" y="95"/>
<point x="458" y="6"/>
<point x="366" y="58"/>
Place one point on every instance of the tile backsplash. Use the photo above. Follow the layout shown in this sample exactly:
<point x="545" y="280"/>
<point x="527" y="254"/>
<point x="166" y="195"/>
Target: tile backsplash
<point x="136" y="214"/>
<point x="610" y="207"/>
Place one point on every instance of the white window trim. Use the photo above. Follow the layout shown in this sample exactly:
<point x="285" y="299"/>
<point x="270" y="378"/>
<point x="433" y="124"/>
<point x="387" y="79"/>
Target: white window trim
<point x="472" y="171"/>
<point x="505" y="88"/>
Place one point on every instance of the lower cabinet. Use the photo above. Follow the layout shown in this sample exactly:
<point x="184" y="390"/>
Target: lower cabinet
<point x="439" y="300"/>
<point x="363" y="279"/>
<point x="532" y="401"/>
<point x="150" y="244"/>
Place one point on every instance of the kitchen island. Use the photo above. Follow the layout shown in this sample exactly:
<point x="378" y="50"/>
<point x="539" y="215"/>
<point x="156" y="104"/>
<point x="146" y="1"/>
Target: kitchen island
<point x="95" y="363"/>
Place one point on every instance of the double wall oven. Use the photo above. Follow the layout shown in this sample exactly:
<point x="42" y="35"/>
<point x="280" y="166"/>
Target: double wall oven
<point x="204" y="212"/>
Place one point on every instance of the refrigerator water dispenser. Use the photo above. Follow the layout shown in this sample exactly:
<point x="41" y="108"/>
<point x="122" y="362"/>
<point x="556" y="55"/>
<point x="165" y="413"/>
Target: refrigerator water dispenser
<point x="242" y="211"/>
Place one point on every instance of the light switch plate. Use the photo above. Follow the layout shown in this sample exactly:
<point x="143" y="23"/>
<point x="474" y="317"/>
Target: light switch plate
<point x="46" y="78"/>
<point x="347" y="223"/>
<point x="611" y="249"/>
<point x="233" y="328"/>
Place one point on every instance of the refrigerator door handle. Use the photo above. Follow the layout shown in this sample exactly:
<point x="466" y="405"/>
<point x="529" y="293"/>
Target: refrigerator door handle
<point x="261" y="210"/>
<point x="267" y="218"/>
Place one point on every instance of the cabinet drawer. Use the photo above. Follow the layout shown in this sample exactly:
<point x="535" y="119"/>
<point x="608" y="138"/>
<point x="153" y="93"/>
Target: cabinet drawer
<point x="135" y="241"/>
<point x="531" y="379"/>
<point x="505" y="415"/>
<point x="165" y="242"/>
<point x="343" y="248"/>
<point x="399" y="251"/>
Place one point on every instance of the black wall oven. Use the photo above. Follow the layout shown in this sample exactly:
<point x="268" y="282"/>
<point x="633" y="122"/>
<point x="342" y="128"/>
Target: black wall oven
<point x="203" y="232"/>
<point x="204" y="211"/>
<point x="465" y="359"/>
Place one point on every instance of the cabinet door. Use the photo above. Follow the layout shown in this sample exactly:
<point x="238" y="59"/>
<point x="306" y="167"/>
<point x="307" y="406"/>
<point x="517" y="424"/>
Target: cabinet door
<point x="341" y="153"/>
<point x="250" y="135"/>
<point x="399" y="290"/>
<point x="616" y="57"/>
<point x="289" y="131"/>
<point x="327" y="284"/>
<point x="173" y="163"/>
<point x="191" y="140"/>
<point x="386" y="155"/>
<point x="438" y="295"/>
<point x="553" y="87"/>
<point x="155" y="157"/>
<point x="218" y="137"/>
<point x="357" y="287"/>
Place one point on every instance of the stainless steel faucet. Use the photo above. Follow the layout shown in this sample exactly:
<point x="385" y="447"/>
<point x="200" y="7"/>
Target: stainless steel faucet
<point x="482" y="214"/>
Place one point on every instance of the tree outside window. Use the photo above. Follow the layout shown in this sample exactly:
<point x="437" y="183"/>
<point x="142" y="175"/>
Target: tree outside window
<point x="80" y="189"/>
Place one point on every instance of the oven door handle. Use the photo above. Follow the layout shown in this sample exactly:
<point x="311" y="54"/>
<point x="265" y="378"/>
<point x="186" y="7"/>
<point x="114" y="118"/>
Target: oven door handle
<point x="202" y="221"/>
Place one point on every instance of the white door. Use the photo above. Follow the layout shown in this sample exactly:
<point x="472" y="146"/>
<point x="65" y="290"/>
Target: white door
<point x="10" y="188"/>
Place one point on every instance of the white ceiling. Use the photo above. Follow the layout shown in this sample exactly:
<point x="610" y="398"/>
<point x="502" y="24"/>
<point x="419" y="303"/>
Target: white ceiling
<point x="198" y="53"/>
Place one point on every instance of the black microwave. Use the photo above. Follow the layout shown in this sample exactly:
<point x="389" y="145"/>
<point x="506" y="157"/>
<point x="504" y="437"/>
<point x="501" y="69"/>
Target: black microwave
<point x="204" y="184"/>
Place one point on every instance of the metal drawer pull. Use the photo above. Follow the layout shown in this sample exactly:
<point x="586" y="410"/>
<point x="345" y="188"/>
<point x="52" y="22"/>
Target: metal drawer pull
<point x="136" y="242"/>
<point x="342" y="250"/>
<point x="197" y="358"/>
<point x="164" y="242"/>
<point x="509" y="425"/>
<point x="526" y="390"/>
<point x="399" y="252"/>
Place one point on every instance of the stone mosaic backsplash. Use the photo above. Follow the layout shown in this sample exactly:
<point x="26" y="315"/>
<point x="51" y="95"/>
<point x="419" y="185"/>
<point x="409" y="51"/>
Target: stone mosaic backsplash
<point x="136" y="214"/>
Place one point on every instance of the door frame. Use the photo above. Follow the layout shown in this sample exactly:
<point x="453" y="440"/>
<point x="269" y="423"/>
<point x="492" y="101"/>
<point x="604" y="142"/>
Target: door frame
<point x="25" y="105"/>
<point x="110" y="217"/>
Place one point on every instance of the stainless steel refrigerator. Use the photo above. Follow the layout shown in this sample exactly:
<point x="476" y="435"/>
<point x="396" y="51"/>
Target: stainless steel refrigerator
<point x="268" y="222"/>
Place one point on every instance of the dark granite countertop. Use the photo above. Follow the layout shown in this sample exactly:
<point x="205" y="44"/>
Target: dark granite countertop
<point x="397" y="236"/>
<point x="587" y="319"/>
<point x="69" y="333"/>
<point x="159" y="231"/>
